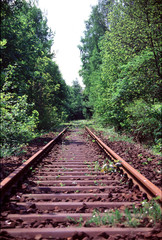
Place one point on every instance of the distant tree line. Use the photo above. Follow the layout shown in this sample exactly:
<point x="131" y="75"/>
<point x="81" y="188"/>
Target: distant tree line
<point x="120" y="53"/>
<point x="34" y="96"/>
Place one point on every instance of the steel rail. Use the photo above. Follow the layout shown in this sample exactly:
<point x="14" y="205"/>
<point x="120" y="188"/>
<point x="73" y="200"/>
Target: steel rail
<point x="12" y="179"/>
<point x="144" y="184"/>
<point x="68" y="232"/>
<point x="44" y="211"/>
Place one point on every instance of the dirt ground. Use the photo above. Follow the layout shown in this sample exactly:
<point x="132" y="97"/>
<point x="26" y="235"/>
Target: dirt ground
<point x="9" y="164"/>
<point x="143" y="160"/>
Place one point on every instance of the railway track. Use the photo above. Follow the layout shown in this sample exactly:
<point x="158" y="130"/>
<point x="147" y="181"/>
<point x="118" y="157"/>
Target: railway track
<point x="74" y="191"/>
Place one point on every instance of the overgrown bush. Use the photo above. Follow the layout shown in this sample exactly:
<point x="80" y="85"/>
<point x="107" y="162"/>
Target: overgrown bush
<point x="121" y="67"/>
<point x="144" y="120"/>
<point x="18" y="122"/>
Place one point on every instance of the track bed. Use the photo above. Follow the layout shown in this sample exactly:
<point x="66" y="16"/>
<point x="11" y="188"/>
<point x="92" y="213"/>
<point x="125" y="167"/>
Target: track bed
<point x="66" y="191"/>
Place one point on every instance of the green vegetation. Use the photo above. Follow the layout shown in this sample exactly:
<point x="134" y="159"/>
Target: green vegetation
<point x="75" y="102"/>
<point x="97" y="166"/>
<point x="58" y="176"/>
<point x="133" y="217"/>
<point x="34" y="96"/>
<point x="95" y="183"/>
<point x="107" y="131"/>
<point x="121" y="67"/>
<point x="109" y="166"/>
<point x="16" y="125"/>
<point x="62" y="185"/>
<point x="78" y="221"/>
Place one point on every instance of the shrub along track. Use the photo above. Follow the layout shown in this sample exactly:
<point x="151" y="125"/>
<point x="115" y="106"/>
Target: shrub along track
<point x="68" y="189"/>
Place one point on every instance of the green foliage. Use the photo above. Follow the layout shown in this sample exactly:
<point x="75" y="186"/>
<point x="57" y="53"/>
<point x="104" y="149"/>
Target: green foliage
<point x="121" y="68"/>
<point x="91" y="58"/>
<point x="77" y="221"/>
<point x="27" y="66"/>
<point x="75" y="101"/>
<point x="132" y="217"/>
<point x="144" y="119"/>
<point x="31" y="83"/>
<point x="48" y="91"/>
<point x="17" y="125"/>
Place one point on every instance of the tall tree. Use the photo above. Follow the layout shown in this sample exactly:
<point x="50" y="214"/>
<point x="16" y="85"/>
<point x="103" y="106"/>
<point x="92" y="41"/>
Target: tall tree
<point x="90" y="54"/>
<point x="124" y="69"/>
<point x="29" y="74"/>
<point x="75" y="100"/>
<point x="27" y="66"/>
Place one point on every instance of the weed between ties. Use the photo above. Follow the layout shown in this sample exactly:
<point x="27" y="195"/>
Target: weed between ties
<point x="149" y="212"/>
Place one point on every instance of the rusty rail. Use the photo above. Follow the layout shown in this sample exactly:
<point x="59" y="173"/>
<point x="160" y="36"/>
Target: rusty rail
<point x="12" y="179"/>
<point x="60" y="193"/>
<point x="144" y="184"/>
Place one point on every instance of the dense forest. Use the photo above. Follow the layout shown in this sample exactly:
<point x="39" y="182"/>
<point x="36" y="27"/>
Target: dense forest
<point x="120" y="54"/>
<point x="34" y="96"/>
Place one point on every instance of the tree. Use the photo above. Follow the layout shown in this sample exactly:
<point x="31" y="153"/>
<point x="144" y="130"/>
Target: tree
<point x="27" y="65"/>
<point x="90" y="55"/>
<point x="123" y="69"/>
<point x="75" y="101"/>
<point x="17" y="125"/>
<point x="28" y="73"/>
